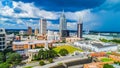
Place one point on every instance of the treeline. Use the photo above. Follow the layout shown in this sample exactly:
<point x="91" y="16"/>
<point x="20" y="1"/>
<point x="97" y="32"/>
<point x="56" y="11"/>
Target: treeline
<point x="47" y="54"/>
<point x="113" y="40"/>
<point x="9" y="58"/>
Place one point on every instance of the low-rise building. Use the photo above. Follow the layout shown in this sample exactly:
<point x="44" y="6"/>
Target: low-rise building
<point x="9" y="40"/>
<point x="98" y="37"/>
<point x="24" y="38"/>
<point x="41" y="37"/>
<point x="21" y="32"/>
<point x="115" y="56"/>
<point x="96" y="46"/>
<point x="94" y="65"/>
<point x="53" y="36"/>
<point x="98" y="54"/>
<point x="72" y="39"/>
<point x="22" y="46"/>
<point x="31" y="52"/>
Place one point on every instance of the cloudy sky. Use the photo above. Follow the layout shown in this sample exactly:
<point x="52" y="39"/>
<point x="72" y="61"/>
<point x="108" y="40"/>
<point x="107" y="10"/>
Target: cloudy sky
<point x="100" y="15"/>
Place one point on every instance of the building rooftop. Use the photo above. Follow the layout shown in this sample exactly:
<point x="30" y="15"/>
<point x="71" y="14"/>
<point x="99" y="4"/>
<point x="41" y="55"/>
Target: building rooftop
<point x="30" y="42"/>
<point x="35" y="50"/>
<point x="98" y="44"/>
<point x="94" y="65"/>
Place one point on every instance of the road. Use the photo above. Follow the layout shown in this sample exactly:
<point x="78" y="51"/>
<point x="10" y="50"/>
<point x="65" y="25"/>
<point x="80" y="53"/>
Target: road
<point x="67" y="57"/>
<point x="76" y="66"/>
<point x="56" y="61"/>
<point x="61" y="61"/>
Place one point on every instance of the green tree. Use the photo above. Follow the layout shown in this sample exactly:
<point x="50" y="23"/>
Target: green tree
<point x="35" y="57"/>
<point x="14" y="58"/>
<point x="40" y="54"/>
<point x="63" y="41"/>
<point x="107" y="66"/>
<point x="4" y="65"/>
<point x="63" y="52"/>
<point x="45" y="54"/>
<point x="52" y="54"/>
<point x="42" y="62"/>
<point x="104" y="40"/>
<point x="50" y="60"/>
<point x="1" y="57"/>
<point x="115" y="40"/>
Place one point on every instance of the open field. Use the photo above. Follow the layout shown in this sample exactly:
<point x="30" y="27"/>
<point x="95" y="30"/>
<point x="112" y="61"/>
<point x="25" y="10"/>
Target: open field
<point x="70" y="49"/>
<point x="105" y="59"/>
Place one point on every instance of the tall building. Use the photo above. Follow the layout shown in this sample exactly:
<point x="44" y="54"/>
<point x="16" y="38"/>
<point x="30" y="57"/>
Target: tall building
<point x="29" y="32"/>
<point x="63" y="25"/>
<point x="36" y="31"/>
<point x="2" y="39"/>
<point x="43" y="26"/>
<point x="79" y="28"/>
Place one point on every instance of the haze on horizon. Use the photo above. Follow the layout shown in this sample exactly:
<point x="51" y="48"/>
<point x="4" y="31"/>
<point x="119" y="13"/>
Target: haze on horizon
<point x="101" y="15"/>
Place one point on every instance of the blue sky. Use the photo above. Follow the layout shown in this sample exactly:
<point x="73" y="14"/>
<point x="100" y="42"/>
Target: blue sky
<point x="100" y="15"/>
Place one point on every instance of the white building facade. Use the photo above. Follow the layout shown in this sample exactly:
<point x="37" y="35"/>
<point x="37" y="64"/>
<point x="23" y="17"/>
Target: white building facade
<point x="2" y="39"/>
<point x="53" y="36"/>
<point x="43" y="26"/>
<point x="97" y="47"/>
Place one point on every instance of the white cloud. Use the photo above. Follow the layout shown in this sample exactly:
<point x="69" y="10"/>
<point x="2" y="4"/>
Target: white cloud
<point x="50" y="25"/>
<point x="72" y="25"/>
<point x="19" y="21"/>
<point x="86" y="15"/>
<point x="27" y="10"/>
<point x="3" y="19"/>
<point x="76" y="15"/>
<point x="6" y="11"/>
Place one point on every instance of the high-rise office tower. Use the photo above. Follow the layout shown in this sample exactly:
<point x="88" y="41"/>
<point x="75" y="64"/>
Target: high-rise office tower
<point x="63" y="26"/>
<point x="29" y="32"/>
<point x="79" y="28"/>
<point x="2" y="39"/>
<point x="43" y="26"/>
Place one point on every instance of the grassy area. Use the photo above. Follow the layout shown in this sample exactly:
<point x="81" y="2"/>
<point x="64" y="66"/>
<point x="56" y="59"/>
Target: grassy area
<point x="28" y="67"/>
<point x="106" y="59"/>
<point x="70" y="49"/>
<point x="108" y="53"/>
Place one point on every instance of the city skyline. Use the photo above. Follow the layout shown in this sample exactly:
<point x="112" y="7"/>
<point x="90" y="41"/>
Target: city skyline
<point x="100" y="15"/>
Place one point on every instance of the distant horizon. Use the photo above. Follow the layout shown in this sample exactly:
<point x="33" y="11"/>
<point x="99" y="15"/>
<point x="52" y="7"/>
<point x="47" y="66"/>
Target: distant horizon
<point x="74" y="30"/>
<point x="97" y="15"/>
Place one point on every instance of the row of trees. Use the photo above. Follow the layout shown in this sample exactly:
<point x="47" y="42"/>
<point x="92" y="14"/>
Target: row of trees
<point x="45" y="54"/>
<point x="117" y="63"/>
<point x="107" y="66"/>
<point x="113" y="40"/>
<point x="9" y="58"/>
<point x="48" y="55"/>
